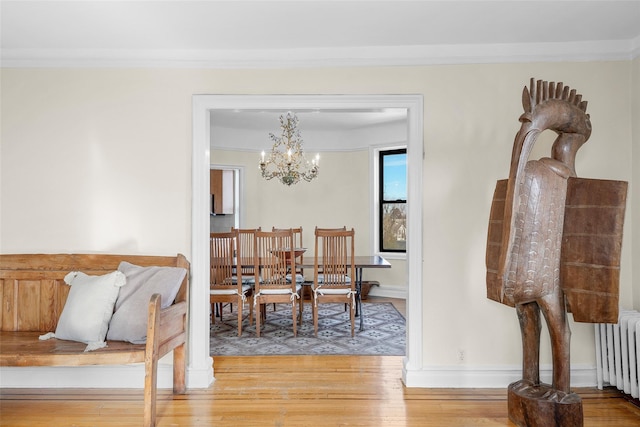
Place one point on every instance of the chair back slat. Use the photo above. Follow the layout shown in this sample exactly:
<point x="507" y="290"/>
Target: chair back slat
<point x="297" y="235"/>
<point x="297" y="242"/>
<point x="223" y="260"/>
<point x="273" y="259"/>
<point x="245" y="247"/>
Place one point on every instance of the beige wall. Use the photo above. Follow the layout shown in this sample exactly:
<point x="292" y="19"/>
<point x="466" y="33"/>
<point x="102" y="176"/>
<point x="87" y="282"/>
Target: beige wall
<point x="100" y="160"/>
<point x="633" y="238"/>
<point x="339" y="196"/>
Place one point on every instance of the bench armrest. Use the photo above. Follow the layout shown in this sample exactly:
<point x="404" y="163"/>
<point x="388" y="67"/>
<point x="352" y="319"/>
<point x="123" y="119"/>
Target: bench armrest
<point x="166" y="331"/>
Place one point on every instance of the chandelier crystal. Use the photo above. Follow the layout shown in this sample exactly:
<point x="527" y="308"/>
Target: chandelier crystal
<point x="287" y="161"/>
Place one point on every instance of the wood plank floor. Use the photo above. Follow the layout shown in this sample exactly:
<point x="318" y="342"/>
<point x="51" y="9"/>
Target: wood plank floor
<point x="295" y="391"/>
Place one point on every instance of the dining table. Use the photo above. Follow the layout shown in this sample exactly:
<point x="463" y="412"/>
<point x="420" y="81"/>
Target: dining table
<point x="361" y="262"/>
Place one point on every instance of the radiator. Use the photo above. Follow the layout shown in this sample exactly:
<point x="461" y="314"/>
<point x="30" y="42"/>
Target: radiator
<point x="618" y="353"/>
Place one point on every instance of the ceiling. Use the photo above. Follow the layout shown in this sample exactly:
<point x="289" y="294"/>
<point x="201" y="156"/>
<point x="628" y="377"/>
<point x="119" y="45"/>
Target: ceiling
<point x="305" y="33"/>
<point x="321" y="129"/>
<point x="317" y="120"/>
<point x="313" y="33"/>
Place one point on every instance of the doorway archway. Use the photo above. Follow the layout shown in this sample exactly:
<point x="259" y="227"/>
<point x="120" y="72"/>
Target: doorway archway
<point x="200" y="362"/>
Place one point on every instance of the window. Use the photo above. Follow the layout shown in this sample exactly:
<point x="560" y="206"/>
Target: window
<point x="392" y="194"/>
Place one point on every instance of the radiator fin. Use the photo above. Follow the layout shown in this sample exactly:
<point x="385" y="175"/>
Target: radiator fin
<point x="617" y="353"/>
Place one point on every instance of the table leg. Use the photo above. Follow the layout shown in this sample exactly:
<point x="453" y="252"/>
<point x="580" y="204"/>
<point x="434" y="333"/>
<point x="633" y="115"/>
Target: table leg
<point x="358" y="297"/>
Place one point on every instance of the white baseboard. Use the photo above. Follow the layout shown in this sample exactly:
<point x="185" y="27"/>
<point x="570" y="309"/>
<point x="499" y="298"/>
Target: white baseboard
<point x="388" y="292"/>
<point x="483" y="377"/>
<point x="200" y="378"/>
<point x="115" y="376"/>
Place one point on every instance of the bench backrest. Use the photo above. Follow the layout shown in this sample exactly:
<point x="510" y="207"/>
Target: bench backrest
<point x="33" y="291"/>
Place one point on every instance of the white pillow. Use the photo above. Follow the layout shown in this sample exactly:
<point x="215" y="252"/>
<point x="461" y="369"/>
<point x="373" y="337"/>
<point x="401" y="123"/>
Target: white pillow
<point x="89" y="307"/>
<point x="129" y="322"/>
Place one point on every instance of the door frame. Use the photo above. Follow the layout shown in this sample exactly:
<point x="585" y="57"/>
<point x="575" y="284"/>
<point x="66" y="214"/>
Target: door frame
<point x="200" y="363"/>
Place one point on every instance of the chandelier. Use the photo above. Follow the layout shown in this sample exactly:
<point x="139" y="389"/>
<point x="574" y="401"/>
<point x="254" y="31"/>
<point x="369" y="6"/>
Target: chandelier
<point x="286" y="160"/>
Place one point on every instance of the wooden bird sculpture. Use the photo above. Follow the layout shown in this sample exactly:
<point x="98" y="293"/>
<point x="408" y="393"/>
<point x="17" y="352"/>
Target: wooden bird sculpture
<point x="553" y="246"/>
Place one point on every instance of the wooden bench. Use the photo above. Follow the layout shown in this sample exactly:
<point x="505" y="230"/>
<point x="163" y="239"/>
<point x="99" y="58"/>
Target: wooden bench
<point x="33" y="294"/>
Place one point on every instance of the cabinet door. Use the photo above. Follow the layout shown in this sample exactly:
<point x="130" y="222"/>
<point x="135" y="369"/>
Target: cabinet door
<point x="222" y="191"/>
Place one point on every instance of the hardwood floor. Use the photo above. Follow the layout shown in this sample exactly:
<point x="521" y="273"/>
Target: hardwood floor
<point x="399" y="304"/>
<point x="304" y="391"/>
<point x="295" y="391"/>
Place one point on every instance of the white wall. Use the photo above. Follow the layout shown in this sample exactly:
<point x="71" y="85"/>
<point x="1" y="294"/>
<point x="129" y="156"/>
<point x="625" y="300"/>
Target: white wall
<point x="98" y="160"/>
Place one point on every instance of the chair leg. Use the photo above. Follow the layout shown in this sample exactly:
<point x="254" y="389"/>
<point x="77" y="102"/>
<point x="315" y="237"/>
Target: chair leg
<point x="214" y="309"/>
<point x="220" y="309"/>
<point x="294" y="315"/>
<point x="353" y="319"/>
<point x="258" y="317"/>
<point x="239" y="318"/>
<point x="314" y="308"/>
<point x="301" y="307"/>
<point x="301" y="302"/>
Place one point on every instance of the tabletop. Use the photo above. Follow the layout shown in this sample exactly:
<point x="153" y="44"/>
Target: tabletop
<point x="361" y="261"/>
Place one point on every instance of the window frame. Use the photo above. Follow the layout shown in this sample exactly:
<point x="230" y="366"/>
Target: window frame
<point x="378" y="154"/>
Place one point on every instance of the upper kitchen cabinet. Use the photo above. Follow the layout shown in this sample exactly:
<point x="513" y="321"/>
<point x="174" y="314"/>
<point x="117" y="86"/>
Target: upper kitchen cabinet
<point x="222" y="191"/>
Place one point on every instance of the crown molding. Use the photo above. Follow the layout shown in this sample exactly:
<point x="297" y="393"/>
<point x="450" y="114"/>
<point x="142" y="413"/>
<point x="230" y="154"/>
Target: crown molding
<point x="613" y="50"/>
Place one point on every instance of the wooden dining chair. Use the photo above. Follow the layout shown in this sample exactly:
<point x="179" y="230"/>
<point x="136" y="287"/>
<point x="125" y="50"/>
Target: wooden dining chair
<point x="310" y="287"/>
<point x="334" y="272"/>
<point x="273" y="260"/>
<point x="297" y="243"/>
<point x="226" y="285"/>
<point x="245" y="244"/>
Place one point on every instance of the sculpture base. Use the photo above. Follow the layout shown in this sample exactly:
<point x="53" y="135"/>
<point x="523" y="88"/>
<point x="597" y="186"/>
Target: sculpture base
<point x="532" y="405"/>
